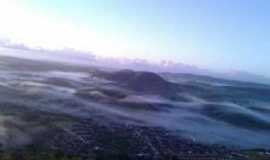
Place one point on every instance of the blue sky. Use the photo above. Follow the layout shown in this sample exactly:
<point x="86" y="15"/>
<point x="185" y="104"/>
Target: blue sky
<point x="216" y="34"/>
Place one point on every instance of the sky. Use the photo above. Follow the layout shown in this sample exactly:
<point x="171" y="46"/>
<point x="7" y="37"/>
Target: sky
<point x="214" y="34"/>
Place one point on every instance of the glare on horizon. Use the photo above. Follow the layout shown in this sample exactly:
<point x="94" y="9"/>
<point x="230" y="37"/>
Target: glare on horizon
<point x="216" y="35"/>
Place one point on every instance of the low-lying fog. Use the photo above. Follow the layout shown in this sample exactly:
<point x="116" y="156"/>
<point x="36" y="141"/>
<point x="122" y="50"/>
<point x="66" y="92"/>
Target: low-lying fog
<point x="37" y="95"/>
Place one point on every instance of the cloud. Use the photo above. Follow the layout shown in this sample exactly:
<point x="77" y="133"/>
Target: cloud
<point x="71" y="55"/>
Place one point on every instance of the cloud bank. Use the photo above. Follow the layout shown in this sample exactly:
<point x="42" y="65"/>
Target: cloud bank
<point x="70" y="55"/>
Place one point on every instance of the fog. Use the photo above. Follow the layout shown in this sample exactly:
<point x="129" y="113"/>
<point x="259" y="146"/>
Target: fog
<point x="29" y="95"/>
<point x="72" y="56"/>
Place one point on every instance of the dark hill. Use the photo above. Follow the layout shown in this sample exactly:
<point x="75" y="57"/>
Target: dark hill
<point x="146" y="82"/>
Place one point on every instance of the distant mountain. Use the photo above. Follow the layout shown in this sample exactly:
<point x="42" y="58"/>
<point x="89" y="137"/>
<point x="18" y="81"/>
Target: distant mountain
<point x="145" y="82"/>
<point x="68" y="55"/>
